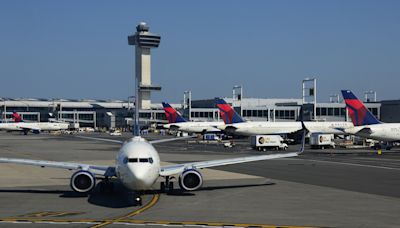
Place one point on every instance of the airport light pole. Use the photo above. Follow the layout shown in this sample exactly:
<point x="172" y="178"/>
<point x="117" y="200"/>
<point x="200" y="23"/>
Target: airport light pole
<point x="334" y="98"/>
<point x="238" y="96"/>
<point x="312" y="92"/>
<point x="367" y="93"/>
<point x="133" y="102"/>
<point x="187" y="102"/>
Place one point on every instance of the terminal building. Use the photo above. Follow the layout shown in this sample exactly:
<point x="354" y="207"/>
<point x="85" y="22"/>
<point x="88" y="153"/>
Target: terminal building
<point x="119" y="114"/>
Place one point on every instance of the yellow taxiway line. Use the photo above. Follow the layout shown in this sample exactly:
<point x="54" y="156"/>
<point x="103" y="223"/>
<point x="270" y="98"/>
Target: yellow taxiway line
<point x="127" y="220"/>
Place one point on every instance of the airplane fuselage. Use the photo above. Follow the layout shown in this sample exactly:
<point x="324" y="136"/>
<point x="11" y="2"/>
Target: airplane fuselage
<point x="137" y="164"/>
<point x="257" y="128"/>
<point x="42" y="126"/>
<point x="196" y="127"/>
<point x="388" y="132"/>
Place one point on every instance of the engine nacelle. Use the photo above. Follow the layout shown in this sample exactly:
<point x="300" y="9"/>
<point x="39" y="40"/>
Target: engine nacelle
<point x="83" y="181"/>
<point x="190" y="180"/>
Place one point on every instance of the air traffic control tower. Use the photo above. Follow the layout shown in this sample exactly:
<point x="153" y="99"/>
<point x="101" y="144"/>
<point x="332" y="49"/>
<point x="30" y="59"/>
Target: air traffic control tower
<point x="143" y="41"/>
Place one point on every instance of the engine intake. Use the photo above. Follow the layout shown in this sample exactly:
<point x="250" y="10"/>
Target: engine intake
<point x="83" y="181"/>
<point x="190" y="180"/>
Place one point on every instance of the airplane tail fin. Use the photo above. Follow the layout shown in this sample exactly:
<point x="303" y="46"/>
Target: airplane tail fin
<point x="360" y="115"/>
<point x="229" y="115"/>
<point x="16" y="117"/>
<point x="173" y="116"/>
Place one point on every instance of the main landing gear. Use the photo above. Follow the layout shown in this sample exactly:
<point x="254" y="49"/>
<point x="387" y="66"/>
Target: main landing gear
<point x="167" y="186"/>
<point x="106" y="186"/>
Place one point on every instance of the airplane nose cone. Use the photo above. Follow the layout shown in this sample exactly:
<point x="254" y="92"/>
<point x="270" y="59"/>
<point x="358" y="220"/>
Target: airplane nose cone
<point x="141" y="176"/>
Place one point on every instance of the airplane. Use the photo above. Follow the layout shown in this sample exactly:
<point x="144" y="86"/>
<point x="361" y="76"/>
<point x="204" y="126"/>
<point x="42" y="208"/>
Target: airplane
<point x="366" y="125"/>
<point x="137" y="167"/>
<point x="236" y="125"/>
<point x="177" y="122"/>
<point x="34" y="127"/>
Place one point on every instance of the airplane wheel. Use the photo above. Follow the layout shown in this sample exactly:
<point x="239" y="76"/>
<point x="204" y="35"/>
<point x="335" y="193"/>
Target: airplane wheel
<point x="162" y="187"/>
<point x="170" y="187"/>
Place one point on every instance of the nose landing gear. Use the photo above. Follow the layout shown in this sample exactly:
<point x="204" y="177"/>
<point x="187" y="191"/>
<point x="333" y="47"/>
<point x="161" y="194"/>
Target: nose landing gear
<point x="167" y="186"/>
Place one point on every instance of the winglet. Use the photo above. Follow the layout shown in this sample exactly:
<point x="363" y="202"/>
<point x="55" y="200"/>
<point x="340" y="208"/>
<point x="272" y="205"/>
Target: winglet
<point x="173" y="116"/>
<point x="359" y="114"/>
<point x="229" y="115"/>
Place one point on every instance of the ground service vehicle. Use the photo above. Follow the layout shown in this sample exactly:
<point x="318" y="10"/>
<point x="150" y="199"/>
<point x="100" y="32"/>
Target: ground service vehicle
<point x="322" y="141"/>
<point x="264" y="142"/>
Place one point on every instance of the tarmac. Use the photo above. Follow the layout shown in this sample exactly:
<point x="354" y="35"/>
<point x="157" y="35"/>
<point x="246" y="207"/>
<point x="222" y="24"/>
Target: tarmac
<point x="320" y="188"/>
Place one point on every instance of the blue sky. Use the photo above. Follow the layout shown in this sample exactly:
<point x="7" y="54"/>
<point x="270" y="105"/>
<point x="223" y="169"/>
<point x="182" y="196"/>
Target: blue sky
<point x="78" y="49"/>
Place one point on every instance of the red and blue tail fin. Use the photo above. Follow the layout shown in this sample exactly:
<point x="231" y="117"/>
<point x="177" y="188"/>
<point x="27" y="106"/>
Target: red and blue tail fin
<point x="173" y="116"/>
<point x="16" y="117"/>
<point x="360" y="115"/>
<point x="229" y="115"/>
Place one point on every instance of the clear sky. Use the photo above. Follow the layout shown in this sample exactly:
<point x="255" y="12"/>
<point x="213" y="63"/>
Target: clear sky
<point x="78" y="49"/>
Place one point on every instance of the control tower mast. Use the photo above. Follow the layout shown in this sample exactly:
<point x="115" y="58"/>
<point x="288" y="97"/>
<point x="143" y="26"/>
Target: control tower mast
<point x="143" y="41"/>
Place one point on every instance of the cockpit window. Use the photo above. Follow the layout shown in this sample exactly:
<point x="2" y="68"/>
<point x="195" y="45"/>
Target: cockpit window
<point x="141" y="160"/>
<point x="133" y="160"/>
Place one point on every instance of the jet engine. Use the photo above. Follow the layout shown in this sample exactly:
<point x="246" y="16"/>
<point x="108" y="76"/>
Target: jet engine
<point x="83" y="181"/>
<point x="190" y="180"/>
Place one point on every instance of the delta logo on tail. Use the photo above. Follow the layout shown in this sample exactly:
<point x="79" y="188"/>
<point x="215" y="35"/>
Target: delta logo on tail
<point x="172" y="115"/>
<point x="16" y="117"/>
<point x="359" y="114"/>
<point x="227" y="113"/>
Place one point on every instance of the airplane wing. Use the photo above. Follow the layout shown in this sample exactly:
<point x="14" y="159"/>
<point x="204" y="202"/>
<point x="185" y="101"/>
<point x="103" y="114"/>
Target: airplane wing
<point x="122" y="142"/>
<point x="179" y="168"/>
<point x="100" y="139"/>
<point x="365" y="131"/>
<point x="108" y="171"/>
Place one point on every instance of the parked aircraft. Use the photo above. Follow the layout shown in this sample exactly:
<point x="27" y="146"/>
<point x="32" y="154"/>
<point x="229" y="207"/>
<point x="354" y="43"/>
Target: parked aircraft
<point x="236" y="125"/>
<point x="177" y="122"/>
<point x="138" y="167"/>
<point x="34" y="127"/>
<point x="366" y="124"/>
